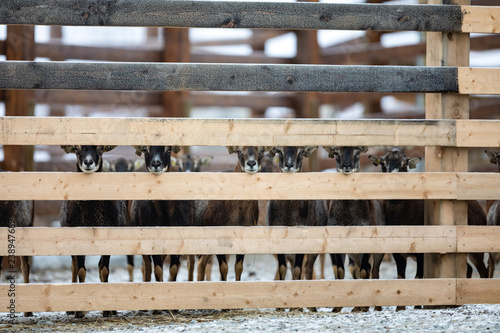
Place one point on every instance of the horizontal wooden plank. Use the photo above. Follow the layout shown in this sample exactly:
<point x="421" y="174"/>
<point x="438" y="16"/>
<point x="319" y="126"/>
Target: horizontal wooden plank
<point x="235" y="186"/>
<point x="477" y="186"/>
<point x="229" y="295"/>
<point x="225" y="77"/>
<point x="478" y="291"/>
<point x="481" y="19"/>
<point x="231" y="132"/>
<point x="477" y="133"/>
<point x="478" y="239"/>
<point x="479" y="80"/>
<point x="232" y="240"/>
<point x="227" y="132"/>
<point x="234" y="14"/>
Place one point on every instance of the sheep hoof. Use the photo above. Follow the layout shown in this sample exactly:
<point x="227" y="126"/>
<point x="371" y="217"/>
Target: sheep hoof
<point x="400" y="308"/>
<point x="361" y="309"/>
<point x="28" y="314"/>
<point x="79" y="314"/>
<point x="337" y="309"/>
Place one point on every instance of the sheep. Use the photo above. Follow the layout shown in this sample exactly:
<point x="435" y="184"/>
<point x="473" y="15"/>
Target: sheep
<point x="233" y="212"/>
<point x="493" y="211"/>
<point x="17" y="214"/>
<point x="193" y="163"/>
<point x="92" y="213"/>
<point x="411" y="212"/>
<point x="123" y="165"/>
<point x="151" y="213"/>
<point x="295" y="212"/>
<point x="354" y="213"/>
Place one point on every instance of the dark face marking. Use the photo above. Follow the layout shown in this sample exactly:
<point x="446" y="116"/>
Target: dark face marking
<point x="157" y="158"/>
<point x="89" y="158"/>
<point x="249" y="157"/>
<point x="347" y="159"/>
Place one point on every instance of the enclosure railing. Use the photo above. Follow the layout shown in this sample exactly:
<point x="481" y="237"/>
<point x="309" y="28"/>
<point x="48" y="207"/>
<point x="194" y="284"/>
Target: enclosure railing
<point x="452" y="184"/>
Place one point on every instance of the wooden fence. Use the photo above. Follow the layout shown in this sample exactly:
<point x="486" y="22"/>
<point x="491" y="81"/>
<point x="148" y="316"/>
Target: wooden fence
<point x="446" y="133"/>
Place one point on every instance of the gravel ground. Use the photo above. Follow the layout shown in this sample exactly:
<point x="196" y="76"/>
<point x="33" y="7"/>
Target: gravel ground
<point x="476" y="318"/>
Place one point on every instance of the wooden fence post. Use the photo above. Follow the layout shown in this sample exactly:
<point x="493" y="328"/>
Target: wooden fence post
<point x="20" y="45"/>
<point x="446" y="49"/>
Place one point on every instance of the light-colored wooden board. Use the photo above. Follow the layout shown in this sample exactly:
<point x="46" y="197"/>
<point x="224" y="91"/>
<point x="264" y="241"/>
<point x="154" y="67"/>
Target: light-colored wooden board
<point x="228" y="295"/>
<point x="479" y="80"/>
<point x="260" y="132"/>
<point x="231" y="240"/>
<point x="477" y="133"/>
<point x="478" y="186"/>
<point x="223" y="132"/>
<point x="481" y="19"/>
<point x="237" y="186"/>
<point x="478" y="291"/>
<point x="478" y="239"/>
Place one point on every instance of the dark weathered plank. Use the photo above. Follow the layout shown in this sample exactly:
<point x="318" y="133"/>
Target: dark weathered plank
<point x="232" y="14"/>
<point x="226" y="77"/>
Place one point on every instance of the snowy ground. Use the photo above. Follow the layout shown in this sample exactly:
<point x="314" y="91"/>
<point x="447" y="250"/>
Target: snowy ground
<point x="476" y="318"/>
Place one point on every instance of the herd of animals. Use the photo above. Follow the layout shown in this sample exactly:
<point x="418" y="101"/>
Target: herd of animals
<point x="145" y="213"/>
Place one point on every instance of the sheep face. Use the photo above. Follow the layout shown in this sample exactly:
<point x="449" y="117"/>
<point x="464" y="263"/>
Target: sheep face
<point x="191" y="163"/>
<point x="347" y="158"/>
<point x="494" y="157"/>
<point x="249" y="158"/>
<point x="88" y="158"/>
<point x="290" y="158"/>
<point x="157" y="157"/>
<point x="395" y="161"/>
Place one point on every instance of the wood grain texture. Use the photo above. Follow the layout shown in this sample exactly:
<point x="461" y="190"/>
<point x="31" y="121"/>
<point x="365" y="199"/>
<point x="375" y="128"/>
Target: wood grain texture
<point x="482" y="19"/>
<point x="230" y="295"/>
<point x="236" y="240"/>
<point x="233" y="14"/>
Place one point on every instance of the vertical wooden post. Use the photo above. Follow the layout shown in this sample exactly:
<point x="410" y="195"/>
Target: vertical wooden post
<point x="308" y="52"/>
<point x="446" y="49"/>
<point x="175" y="49"/>
<point x="19" y="45"/>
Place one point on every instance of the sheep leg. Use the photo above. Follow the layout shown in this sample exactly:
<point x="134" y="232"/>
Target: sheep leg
<point x="104" y="275"/>
<point x="223" y="268"/>
<point x="146" y="268"/>
<point x="174" y="267"/>
<point x="158" y="265"/>
<point x="491" y="265"/>
<point x="297" y="268"/>
<point x="208" y="269"/>
<point x="190" y="266"/>
<point x="362" y="270"/>
<point x="401" y="268"/>
<point x="281" y="266"/>
<point x="130" y="268"/>
<point x="309" y="270"/>
<point x="477" y="260"/>
<point x="82" y="274"/>
<point x="202" y="265"/>
<point x="338" y="261"/>
<point x="377" y="260"/>
<point x="25" y="268"/>
<point x="238" y="266"/>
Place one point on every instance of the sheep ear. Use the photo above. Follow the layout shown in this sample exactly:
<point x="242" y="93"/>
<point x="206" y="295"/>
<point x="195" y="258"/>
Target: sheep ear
<point x="272" y="151"/>
<point x="206" y="160"/>
<point x="330" y="150"/>
<point x="375" y="160"/>
<point x="492" y="155"/>
<point x="309" y="150"/>
<point x="139" y="163"/>
<point x="139" y="150"/>
<point x="69" y="149"/>
<point x="173" y="161"/>
<point x="106" y="166"/>
<point x="176" y="149"/>
<point x="363" y="149"/>
<point x="108" y="148"/>
<point x="412" y="162"/>
<point x="231" y="149"/>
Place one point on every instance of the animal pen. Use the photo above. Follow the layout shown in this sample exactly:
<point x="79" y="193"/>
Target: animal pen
<point x="447" y="133"/>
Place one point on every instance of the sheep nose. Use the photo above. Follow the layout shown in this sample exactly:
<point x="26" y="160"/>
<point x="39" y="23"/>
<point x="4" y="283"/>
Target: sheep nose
<point x="155" y="163"/>
<point x="88" y="162"/>
<point x="289" y="165"/>
<point x="251" y="163"/>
